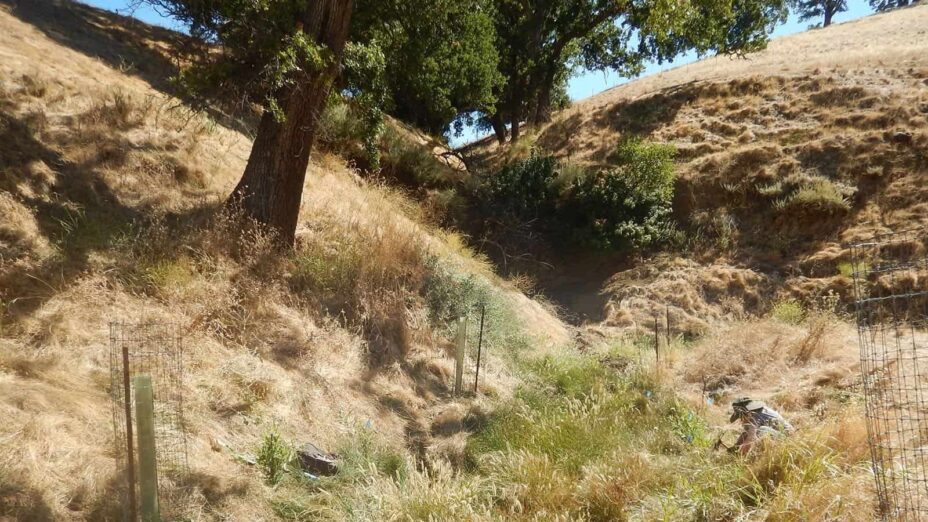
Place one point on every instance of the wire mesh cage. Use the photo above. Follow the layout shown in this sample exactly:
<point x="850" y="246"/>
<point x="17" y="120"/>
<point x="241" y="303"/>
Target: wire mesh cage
<point x="891" y="292"/>
<point x="155" y="350"/>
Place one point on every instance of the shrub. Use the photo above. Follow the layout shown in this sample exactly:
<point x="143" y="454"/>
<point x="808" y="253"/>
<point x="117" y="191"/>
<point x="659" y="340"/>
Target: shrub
<point x="626" y="207"/>
<point x="274" y="457"/>
<point x="523" y="190"/>
<point x="451" y="294"/>
<point x="341" y="131"/>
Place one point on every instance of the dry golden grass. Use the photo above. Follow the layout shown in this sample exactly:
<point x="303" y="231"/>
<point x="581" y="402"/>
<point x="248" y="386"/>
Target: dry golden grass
<point x="109" y="210"/>
<point x="695" y="296"/>
<point x="109" y="196"/>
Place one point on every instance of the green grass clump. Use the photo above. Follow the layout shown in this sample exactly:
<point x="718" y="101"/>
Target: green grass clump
<point x="170" y="273"/>
<point x="574" y="442"/>
<point x="847" y="268"/>
<point x="569" y="376"/>
<point x="820" y="196"/>
<point x="789" y="311"/>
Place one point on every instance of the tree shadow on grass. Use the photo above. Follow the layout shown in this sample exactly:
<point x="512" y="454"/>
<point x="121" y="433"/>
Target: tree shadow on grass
<point x="428" y="385"/>
<point x="640" y="116"/>
<point x="132" y="47"/>
<point x="23" y="503"/>
<point x="119" y="41"/>
<point x="75" y="209"/>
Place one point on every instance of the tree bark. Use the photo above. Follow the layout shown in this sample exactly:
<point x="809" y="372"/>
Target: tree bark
<point x="542" y="106"/>
<point x="514" y="128"/>
<point x="542" y="112"/>
<point x="271" y="188"/>
<point x="829" y="13"/>
<point x="515" y="113"/>
<point x="499" y="127"/>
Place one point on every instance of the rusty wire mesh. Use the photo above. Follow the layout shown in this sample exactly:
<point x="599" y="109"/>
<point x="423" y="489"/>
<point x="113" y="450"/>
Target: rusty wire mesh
<point x="153" y="349"/>
<point x="891" y="293"/>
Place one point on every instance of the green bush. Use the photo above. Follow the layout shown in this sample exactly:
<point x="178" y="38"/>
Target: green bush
<point x="353" y="121"/>
<point x="614" y="209"/>
<point x="338" y="130"/>
<point x="626" y="207"/>
<point x="451" y="294"/>
<point x="523" y="190"/>
<point x="274" y="457"/>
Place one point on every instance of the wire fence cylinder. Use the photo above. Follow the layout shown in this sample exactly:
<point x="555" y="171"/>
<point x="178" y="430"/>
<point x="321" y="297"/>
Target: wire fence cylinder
<point x="154" y="352"/>
<point x="891" y="296"/>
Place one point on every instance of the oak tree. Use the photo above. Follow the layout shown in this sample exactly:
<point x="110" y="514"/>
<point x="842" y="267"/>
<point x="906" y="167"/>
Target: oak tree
<point x="283" y="56"/>
<point x="813" y="9"/>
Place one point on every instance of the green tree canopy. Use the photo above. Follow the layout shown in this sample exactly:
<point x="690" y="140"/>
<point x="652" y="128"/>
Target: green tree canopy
<point x="441" y="55"/>
<point x="886" y="5"/>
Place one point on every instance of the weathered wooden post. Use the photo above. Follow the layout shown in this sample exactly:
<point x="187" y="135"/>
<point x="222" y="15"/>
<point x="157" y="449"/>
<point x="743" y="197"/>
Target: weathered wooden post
<point x="667" y="317"/>
<point x="148" y="463"/>
<point x="460" y="344"/>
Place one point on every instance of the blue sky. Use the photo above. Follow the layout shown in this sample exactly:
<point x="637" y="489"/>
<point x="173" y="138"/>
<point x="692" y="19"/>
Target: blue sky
<point x="581" y="86"/>
<point x="590" y="83"/>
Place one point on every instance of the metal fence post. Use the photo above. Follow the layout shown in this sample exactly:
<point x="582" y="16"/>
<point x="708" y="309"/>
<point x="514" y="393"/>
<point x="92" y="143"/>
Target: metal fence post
<point x="483" y="311"/>
<point x="657" y="343"/>
<point x="460" y="343"/>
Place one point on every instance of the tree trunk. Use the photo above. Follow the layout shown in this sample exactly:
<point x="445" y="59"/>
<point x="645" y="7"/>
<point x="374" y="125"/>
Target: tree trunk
<point x="829" y="12"/>
<point x="271" y="188"/>
<point x="499" y="127"/>
<point x="514" y="130"/>
<point x="542" y="106"/>
<point x="543" y="103"/>
<point x="515" y="118"/>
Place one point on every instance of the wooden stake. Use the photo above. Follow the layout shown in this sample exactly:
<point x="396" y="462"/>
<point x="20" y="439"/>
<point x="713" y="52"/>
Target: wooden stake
<point x="667" y="316"/>
<point x="130" y="453"/>
<point x="148" y="460"/>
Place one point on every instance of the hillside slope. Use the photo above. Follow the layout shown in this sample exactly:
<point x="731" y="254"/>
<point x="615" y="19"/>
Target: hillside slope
<point x="783" y="157"/>
<point x="110" y="210"/>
